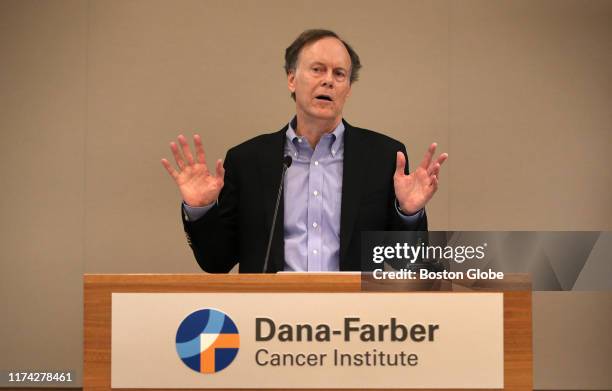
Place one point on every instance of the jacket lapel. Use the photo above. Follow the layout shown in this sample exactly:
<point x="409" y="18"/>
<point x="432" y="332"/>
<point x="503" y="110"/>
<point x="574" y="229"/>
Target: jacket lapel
<point x="270" y="170"/>
<point x="352" y="181"/>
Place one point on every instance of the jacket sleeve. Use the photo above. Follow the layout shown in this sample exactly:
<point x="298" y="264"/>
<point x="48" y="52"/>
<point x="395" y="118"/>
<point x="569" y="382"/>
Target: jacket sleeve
<point x="214" y="237"/>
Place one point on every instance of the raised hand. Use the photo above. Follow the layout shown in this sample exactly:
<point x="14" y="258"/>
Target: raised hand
<point x="415" y="190"/>
<point x="197" y="185"/>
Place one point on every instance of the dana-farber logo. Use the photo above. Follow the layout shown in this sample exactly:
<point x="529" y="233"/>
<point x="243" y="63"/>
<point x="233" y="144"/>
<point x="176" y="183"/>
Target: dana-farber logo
<point x="207" y="341"/>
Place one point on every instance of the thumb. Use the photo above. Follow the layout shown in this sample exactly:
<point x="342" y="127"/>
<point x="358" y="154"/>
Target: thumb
<point x="219" y="169"/>
<point x="400" y="163"/>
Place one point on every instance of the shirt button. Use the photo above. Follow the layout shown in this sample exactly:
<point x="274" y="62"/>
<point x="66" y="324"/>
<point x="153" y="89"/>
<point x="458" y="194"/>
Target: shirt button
<point x="314" y="252"/>
<point x="294" y="153"/>
<point x="299" y="140"/>
<point x="316" y="163"/>
<point x="316" y="193"/>
<point x="315" y="225"/>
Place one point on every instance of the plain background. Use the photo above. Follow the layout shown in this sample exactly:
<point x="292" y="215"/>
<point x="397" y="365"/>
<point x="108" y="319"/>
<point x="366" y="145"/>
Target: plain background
<point x="519" y="93"/>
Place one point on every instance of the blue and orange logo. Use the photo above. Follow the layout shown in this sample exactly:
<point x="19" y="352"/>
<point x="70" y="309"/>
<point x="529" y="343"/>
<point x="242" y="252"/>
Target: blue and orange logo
<point x="207" y="341"/>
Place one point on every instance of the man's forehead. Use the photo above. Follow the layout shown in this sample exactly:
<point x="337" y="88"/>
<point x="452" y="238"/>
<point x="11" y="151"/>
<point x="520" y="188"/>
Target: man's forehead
<point x="328" y="50"/>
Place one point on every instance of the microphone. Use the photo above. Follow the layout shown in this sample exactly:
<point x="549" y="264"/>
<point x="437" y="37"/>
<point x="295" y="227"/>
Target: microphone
<point x="286" y="164"/>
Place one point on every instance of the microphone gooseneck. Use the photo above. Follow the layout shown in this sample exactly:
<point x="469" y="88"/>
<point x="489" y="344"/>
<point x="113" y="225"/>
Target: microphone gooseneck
<point x="286" y="164"/>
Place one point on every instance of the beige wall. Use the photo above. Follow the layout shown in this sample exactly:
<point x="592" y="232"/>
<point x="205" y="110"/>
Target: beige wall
<point x="518" y="92"/>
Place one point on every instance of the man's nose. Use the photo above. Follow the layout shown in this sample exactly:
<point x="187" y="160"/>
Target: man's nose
<point x="328" y="80"/>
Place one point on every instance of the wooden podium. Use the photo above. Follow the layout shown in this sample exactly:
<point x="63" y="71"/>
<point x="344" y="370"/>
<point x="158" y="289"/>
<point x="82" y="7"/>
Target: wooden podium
<point x="517" y="333"/>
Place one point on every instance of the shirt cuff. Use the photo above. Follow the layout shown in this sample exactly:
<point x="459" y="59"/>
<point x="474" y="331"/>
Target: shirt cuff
<point x="194" y="213"/>
<point x="408" y="219"/>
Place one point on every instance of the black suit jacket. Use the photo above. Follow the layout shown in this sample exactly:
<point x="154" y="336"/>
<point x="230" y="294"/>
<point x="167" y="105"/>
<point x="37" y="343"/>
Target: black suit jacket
<point x="237" y="228"/>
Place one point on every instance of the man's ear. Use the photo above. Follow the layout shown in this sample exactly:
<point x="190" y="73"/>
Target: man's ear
<point x="291" y="81"/>
<point x="349" y="90"/>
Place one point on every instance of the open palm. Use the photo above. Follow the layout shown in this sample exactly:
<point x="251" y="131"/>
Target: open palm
<point x="413" y="191"/>
<point x="197" y="185"/>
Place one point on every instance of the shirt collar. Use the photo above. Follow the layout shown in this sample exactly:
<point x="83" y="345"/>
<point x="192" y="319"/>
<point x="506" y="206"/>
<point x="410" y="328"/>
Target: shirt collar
<point x="338" y="134"/>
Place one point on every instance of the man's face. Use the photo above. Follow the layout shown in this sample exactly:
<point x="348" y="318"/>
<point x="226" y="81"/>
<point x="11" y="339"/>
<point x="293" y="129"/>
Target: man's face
<point x="321" y="81"/>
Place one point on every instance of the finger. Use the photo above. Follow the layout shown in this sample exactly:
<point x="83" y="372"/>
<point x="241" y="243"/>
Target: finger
<point x="438" y="163"/>
<point x="434" y="183"/>
<point x="428" y="155"/>
<point x="435" y="169"/>
<point x="201" y="156"/>
<point x="169" y="168"/>
<point x="442" y="158"/>
<point x="185" y="147"/>
<point x="220" y="170"/>
<point x="400" y="163"/>
<point x="177" y="155"/>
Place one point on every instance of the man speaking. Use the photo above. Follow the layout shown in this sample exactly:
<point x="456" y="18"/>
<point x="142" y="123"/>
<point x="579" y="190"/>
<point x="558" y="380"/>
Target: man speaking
<point x="299" y="198"/>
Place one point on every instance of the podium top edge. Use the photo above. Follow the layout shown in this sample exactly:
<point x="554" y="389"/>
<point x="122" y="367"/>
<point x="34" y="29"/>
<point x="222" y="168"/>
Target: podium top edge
<point x="296" y="282"/>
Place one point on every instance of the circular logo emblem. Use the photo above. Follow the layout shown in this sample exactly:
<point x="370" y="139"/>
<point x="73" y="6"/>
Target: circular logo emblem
<point x="207" y="341"/>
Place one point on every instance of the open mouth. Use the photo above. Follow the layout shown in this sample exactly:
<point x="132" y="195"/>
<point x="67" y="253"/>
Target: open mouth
<point x="324" y="97"/>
